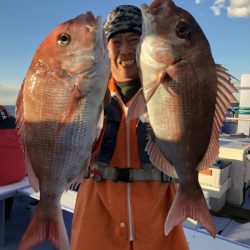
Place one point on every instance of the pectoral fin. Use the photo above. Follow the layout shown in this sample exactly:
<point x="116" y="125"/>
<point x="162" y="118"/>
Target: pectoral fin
<point x="137" y="106"/>
<point x="71" y="106"/>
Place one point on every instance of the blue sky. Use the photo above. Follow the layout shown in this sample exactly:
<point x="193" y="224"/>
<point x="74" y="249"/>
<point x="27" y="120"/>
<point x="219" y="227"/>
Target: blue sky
<point x="25" y="23"/>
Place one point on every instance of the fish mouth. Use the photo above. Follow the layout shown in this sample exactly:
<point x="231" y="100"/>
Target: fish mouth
<point x="176" y="65"/>
<point x="176" y="62"/>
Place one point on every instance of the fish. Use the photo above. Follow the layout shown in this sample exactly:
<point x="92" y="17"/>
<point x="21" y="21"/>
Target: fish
<point x="59" y="111"/>
<point x="186" y="96"/>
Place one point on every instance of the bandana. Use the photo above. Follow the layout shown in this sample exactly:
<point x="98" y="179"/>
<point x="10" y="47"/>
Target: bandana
<point x="124" y="18"/>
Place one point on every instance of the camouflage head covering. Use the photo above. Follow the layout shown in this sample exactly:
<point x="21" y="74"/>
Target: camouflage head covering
<point x="124" y="18"/>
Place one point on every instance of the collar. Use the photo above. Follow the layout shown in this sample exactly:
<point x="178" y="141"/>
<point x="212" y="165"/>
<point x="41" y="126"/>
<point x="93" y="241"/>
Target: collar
<point x="114" y="91"/>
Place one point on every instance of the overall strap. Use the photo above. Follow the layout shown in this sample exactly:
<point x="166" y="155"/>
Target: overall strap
<point x="101" y="172"/>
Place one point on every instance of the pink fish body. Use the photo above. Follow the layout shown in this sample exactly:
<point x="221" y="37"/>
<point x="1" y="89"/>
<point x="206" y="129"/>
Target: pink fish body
<point x="187" y="96"/>
<point x="59" y="112"/>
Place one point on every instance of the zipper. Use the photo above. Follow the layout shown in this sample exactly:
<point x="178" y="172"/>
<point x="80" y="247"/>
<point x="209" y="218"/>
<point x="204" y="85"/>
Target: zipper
<point x="129" y="186"/>
<point x="130" y="221"/>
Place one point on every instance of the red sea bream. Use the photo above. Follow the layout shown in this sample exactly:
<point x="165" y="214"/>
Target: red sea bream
<point x="59" y="114"/>
<point x="187" y="96"/>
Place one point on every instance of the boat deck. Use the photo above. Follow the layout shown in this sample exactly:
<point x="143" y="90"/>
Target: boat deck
<point x="233" y="231"/>
<point x="232" y="223"/>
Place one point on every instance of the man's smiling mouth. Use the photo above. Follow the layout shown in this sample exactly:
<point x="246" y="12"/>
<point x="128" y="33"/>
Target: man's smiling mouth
<point x="127" y="62"/>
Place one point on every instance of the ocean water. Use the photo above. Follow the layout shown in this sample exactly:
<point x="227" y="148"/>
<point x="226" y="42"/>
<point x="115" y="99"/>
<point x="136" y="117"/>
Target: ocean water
<point x="11" y="109"/>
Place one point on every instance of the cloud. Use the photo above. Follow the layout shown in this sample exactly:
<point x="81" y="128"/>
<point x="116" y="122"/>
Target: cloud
<point x="234" y="8"/>
<point x="8" y="93"/>
<point x="197" y="1"/>
<point x="239" y="8"/>
<point x="217" y="6"/>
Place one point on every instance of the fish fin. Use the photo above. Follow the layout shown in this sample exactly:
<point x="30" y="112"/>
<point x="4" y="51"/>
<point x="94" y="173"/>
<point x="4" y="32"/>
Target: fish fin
<point x="156" y="4"/>
<point x="223" y="102"/>
<point x="21" y="127"/>
<point x="41" y="228"/>
<point x="71" y="106"/>
<point x="19" y="107"/>
<point x="137" y="106"/>
<point x="19" y="114"/>
<point x="77" y="180"/>
<point x="100" y="123"/>
<point x="34" y="181"/>
<point x="212" y="151"/>
<point x="184" y="206"/>
<point x="151" y="87"/>
<point x="97" y="143"/>
<point x="158" y="160"/>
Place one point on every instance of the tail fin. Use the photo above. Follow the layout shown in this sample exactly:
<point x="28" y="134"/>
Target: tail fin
<point x="184" y="206"/>
<point x="42" y="228"/>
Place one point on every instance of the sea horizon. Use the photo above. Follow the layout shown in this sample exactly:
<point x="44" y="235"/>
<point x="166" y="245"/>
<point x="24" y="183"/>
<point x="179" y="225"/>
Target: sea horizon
<point x="11" y="109"/>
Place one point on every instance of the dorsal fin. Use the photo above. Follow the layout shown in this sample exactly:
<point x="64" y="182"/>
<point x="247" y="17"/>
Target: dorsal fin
<point x="224" y="98"/>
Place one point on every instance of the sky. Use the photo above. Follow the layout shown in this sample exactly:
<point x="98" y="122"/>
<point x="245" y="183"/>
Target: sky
<point x="24" y="24"/>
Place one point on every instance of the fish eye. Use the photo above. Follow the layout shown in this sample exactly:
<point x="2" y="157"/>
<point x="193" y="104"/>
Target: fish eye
<point x="63" y="39"/>
<point x="183" y="30"/>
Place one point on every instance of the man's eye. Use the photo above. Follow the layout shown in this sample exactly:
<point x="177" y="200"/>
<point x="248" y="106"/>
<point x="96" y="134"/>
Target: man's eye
<point x="116" y="42"/>
<point x="135" y="40"/>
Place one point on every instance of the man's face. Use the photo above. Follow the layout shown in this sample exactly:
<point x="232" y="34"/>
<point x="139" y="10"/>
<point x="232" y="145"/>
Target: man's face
<point x="122" y="53"/>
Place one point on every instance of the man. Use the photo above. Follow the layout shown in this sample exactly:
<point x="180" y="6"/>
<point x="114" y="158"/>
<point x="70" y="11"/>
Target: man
<point x="124" y="202"/>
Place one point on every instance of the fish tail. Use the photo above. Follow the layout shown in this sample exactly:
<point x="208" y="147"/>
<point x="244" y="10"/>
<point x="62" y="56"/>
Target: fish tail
<point x="42" y="228"/>
<point x="184" y="206"/>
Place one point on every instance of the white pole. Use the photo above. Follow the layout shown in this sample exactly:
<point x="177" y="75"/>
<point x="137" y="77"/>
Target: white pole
<point x="244" y="125"/>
